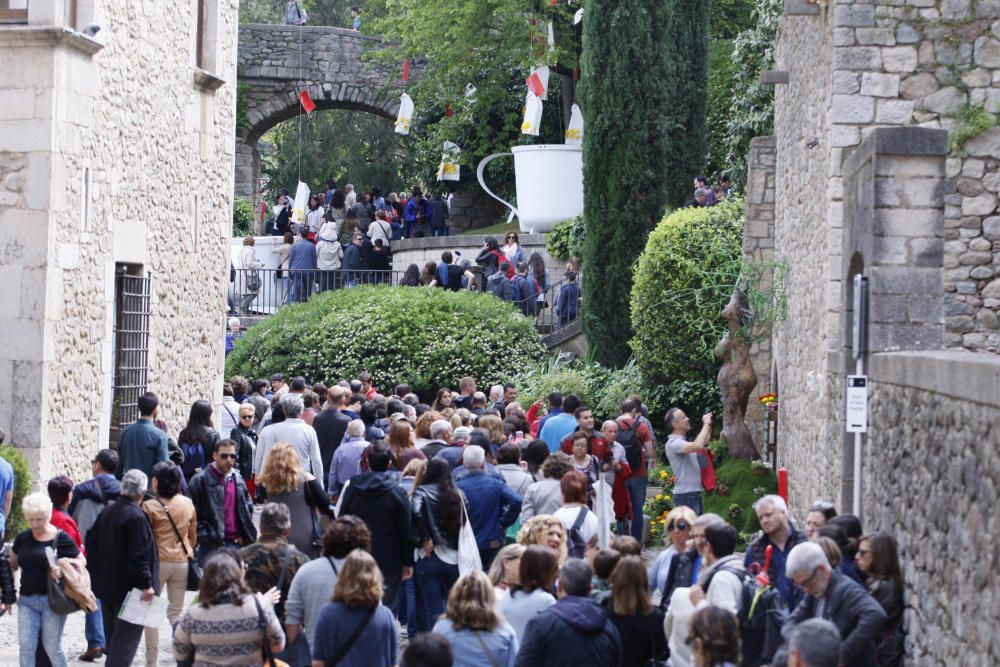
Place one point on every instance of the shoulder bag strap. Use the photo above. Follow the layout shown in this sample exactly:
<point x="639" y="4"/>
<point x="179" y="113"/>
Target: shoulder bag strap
<point x="580" y="517"/>
<point x="265" y="644"/>
<point x="489" y="655"/>
<point x="166" y="510"/>
<point x="333" y="565"/>
<point x="284" y="567"/>
<point x="353" y="639"/>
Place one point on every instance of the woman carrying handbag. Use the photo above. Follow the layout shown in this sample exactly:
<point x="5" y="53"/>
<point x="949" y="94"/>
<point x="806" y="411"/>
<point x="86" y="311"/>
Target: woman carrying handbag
<point x="172" y="517"/>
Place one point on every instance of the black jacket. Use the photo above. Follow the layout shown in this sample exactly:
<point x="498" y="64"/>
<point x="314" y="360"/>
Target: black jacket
<point x="246" y="440"/>
<point x="6" y="578"/>
<point x="642" y="637"/>
<point x="425" y="500"/>
<point x="122" y="553"/>
<point x="573" y="632"/>
<point x="889" y="646"/>
<point x="680" y="575"/>
<point x="857" y="615"/>
<point x="330" y="427"/>
<point x="379" y="500"/>
<point x="209" y="498"/>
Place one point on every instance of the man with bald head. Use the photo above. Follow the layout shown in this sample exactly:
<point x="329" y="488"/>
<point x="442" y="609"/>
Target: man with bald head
<point x="331" y="425"/>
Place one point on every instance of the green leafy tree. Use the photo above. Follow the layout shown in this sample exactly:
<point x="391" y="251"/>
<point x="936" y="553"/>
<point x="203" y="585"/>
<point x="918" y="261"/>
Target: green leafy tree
<point x="751" y="110"/>
<point x="321" y="12"/>
<point x="626" y="157"/>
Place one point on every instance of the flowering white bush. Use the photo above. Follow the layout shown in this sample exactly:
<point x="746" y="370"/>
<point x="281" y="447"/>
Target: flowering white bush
<point x="425" y="337"/>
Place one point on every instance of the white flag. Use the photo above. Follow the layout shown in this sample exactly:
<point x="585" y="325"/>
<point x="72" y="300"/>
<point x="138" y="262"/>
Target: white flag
<point x="574" y="133"/>
<point x="301" y="201"/>
<point x="449" y="170"/>
<point x="532" y="115"/>
<point x="405" y="114"/>
<point x="578" y="16"/>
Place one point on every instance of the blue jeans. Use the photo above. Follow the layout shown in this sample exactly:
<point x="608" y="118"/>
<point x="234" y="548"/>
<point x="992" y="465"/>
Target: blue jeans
<point x="440" y="231"/>
<point x="692" y="500"/>
<point x="406" y="606"/>
<point x="434" y="581"/>
<point x="33" y="618"/>
<point x="636" y="486"/>
<point x="93" y="628"/>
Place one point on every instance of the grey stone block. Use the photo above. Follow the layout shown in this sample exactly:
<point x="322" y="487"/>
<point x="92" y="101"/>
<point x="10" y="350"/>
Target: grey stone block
<point x="773" y="77"/>
<point x="801" y="8"/>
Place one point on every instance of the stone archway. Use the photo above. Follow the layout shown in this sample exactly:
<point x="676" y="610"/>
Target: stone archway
<point x="276" y="62"/>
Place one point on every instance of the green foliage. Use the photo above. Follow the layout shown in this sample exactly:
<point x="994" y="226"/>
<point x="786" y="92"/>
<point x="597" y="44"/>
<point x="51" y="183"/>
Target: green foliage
<point x="742" y="483"/>
<point x="321" y="12"/>
<point x="751" y="111"/>
<point x="730" y="17"/>
<point x="601" y="388"/>
<point x="491" y="44"/>
<point x="973" y="120"/>
<point x="565" y="241"/>
<point x="627" y="158"/>
<point x="22" y="487"/>
<point x="695" y="397"/>
<point x="427" y="338"/>
<point x="721" y="74"/>
<point x="242" y="105"/>
<point x="683" y="279"/>
<point x="685" y="83"/>
<point x="349" y="146"/>
<point x="243" y="217"/>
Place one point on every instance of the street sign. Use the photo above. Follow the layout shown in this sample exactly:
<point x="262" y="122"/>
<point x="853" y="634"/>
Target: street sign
<point x="857" y="404"/>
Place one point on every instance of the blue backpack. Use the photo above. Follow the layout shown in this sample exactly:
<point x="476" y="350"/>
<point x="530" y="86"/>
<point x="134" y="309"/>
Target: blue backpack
<point x="194" y="459"/>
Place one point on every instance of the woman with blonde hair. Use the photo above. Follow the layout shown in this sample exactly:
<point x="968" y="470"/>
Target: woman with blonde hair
<point x="477" y="633"/>
<point x="640" y="625"/>
<point x="504" y="569"/>
<point x="286" y="482"/>
<point x="494" y="430"/>
<point x="678" y="525"/>
<point x="422" y="429"/>
<point x="355" y="628"/>
<point x="547" y="531"/>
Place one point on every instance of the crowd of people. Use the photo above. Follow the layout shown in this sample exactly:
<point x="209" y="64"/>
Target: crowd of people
<point x="495" y="535"/>
<point x="706" y="194"/>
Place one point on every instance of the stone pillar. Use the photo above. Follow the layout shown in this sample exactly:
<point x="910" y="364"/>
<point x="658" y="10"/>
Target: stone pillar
<point x="758" y="248"/>
<point x="247" y="168"/>
<point x="894" y="204"/>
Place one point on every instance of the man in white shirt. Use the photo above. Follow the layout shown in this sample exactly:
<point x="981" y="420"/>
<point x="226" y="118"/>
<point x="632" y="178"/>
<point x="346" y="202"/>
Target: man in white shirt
<point x="300" y="435"/>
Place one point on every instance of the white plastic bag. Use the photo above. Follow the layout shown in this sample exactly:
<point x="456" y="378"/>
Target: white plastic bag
<point x="301" y="201"/>
<point x="574" y="132"/>
<point x="468" y="550"/>
<point x="538" y="82"/>
<point x="405" y="114"/>
<point x="449" y="170"/>
<point x="532" y="115"/>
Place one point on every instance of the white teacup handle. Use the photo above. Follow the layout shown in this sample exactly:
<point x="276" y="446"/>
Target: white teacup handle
<point x="479" y="175"/>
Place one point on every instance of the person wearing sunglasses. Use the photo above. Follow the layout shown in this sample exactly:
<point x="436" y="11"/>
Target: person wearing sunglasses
<point x="512" y="250"/>
<point x="833" y="596"/>
<point x="679" y="523"/>
<point x="878" y="559"/>
<point x="222" y="523"/>
<point x="245" y="437"/>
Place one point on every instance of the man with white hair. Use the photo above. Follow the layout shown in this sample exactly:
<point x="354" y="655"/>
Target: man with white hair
<point x="814" y="643"/>
<point x="441" y="436"/>
<point x="122" y="555"/>
<point x="772" y="512"/>
<point x="347" y="459"/>
<point x="833" y="596"/>
<point x="492" y="504"/>
<point x="300" y="435"/>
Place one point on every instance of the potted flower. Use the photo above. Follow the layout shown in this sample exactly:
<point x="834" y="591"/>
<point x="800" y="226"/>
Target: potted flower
<point x="760" y="468"/>
<point x="722" y="489"/>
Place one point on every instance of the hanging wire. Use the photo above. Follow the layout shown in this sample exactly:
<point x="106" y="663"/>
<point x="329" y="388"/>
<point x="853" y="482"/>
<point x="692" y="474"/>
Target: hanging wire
<point x="301" y="81"/>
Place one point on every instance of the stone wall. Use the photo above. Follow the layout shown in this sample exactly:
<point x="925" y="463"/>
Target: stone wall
<point x="127" y="150"/>
<point x="932" y="471"/>
<point x="473" y="209"/>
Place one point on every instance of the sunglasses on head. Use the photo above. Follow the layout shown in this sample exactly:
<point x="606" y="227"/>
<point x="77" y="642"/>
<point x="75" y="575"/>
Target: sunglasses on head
<point x="680" y="526"/>
<point x="246" y="416"/>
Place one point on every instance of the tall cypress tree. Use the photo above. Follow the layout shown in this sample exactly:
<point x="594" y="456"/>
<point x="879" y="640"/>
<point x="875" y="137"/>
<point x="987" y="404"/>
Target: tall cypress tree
<point x="625" y="67"/>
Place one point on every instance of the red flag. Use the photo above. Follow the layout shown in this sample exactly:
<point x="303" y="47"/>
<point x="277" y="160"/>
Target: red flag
<point x="447" y="110"/>
<point x="535" y="84"/>
<point x="307" y="101"/>
<point x="263" y="211"/>
<point x="553" y="3"/>
<point x="406" y="69"/>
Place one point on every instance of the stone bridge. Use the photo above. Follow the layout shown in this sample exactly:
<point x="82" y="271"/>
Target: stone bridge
<point x="277" y="61"/>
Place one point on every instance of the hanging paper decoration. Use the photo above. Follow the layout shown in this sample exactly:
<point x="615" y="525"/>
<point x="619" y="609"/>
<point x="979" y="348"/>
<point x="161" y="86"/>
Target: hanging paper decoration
<point x="301" y="200"/>
<point x="532" y="115"/>
<point x="538" y="82"/>
<point x="405" y="114"/>
<point x="578" y="16"/>
<point x="447" y="110"/>
<point x="552" y="37"/>
<point x="406" y="69"/>
<point x="307" y="101"/>
<point x="574" y="132"/>
<point x="470" y="93"/>
<point x="449" y="170"/>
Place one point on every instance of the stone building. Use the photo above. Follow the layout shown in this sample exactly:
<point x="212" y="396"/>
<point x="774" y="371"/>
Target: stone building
<point x="887" y="166"/>
<point x="116" y="179"/>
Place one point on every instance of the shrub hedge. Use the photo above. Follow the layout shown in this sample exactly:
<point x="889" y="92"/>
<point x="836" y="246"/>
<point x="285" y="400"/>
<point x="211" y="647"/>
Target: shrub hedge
<point x="565" y="241"/>
<point x="22" y="486"/>
<point x="683" y="279"/>
<point x="427" y="338"/>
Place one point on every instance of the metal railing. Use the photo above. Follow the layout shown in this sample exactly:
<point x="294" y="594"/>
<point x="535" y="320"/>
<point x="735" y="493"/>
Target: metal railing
<point x="130" y="345"/>
<point x="263" y="291"/>
<point x="551" y="315"/>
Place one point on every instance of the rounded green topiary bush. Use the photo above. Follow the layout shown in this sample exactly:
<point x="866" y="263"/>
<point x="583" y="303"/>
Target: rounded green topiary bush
<point x="22" y="486"/>
<point x="427" y="338"/>
<point x="682" y="280"/>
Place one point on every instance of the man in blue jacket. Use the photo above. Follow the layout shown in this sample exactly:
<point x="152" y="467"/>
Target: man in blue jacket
<point x="302" y="267"/>
<point x="492" y="505"/>
<point x="142" y="445"/>
<point x="573" y="632"/>
<point x="416" y="205"/>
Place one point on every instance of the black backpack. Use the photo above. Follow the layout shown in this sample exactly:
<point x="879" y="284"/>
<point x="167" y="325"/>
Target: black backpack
<point x="762" y="613"/>
<point x="194" y="458"/>
<point x="629" y="439"/>
<point x="577" y="546"/>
